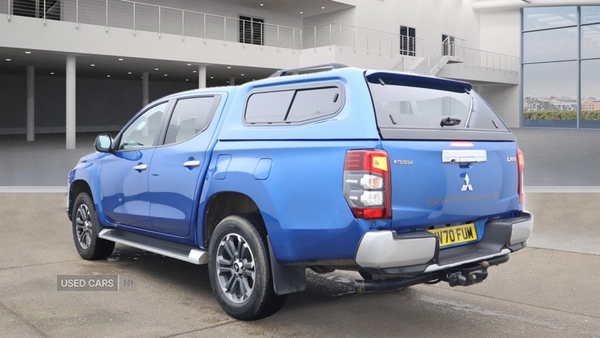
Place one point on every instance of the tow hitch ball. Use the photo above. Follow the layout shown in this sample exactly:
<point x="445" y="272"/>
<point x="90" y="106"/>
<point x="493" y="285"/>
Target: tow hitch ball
<point x="469" y="276"/>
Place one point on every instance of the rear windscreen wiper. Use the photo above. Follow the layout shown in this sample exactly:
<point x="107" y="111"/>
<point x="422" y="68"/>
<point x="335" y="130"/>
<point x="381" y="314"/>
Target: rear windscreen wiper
<point x="450" y="121"/>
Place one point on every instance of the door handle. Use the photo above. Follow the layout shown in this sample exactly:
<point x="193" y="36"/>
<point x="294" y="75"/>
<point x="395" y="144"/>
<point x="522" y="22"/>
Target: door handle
<point x="193" y="163"/>
<point x="140" y="167"/>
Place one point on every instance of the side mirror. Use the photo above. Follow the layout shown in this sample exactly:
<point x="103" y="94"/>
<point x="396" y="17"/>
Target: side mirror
<point x="103" y="142"/>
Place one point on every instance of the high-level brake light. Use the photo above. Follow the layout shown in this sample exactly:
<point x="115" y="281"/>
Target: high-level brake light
<point x="367" y="187"/>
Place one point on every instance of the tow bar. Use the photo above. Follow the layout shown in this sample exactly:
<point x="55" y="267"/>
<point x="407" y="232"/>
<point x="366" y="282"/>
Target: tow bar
<point x="455" y="277"/>
<point x="470" y="276"/>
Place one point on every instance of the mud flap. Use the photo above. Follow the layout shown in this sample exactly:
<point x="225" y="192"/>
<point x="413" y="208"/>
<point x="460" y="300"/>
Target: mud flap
<point x="286" y="279"/>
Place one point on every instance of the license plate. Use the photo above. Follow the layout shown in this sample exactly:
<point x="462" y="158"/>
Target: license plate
<point x="455" y="234"/>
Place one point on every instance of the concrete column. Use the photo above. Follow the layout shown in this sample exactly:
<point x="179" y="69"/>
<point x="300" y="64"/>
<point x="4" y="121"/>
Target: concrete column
<point x="30" y="103"/>
<point x="71" y="100"/>
<point x="145" y="87"/>
<point x="201" y="76"/>
<point x="232" y="81"/>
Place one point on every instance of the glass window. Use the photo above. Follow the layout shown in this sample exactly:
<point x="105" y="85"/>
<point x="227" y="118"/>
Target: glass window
<point x="407" y="40"/>
<point x="590" y="41"/>
<point x="590" y="94"/>
<point x="590" y="14"/>
<point x="268" y="107"/>
<point x="550" y="45"/>
<point x="483" y="117"/>
<point x="550" y="95"/>
<point x="143" y="131"/>
<point x="314" y="103"/>
<point x="296" y="105"/>
<point x="190" y="117"/>
<point x="251" y="30"/>
<point x="414" y="107"/>
<point x="548" y="17"/>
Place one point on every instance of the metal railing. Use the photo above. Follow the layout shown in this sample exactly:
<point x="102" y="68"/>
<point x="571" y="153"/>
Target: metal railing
<point x="373" y="41"/>
<point x="138" y="16"/>
<point x="482" y="58"/>
<point x="455" y="51"/>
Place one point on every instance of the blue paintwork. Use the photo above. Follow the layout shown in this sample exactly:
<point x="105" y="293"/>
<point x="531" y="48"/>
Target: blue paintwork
<point x="294" y="174"/>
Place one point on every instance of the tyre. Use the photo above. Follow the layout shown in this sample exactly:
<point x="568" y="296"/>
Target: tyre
<point x="86" y="229"/>
<point x="240" y="271"/>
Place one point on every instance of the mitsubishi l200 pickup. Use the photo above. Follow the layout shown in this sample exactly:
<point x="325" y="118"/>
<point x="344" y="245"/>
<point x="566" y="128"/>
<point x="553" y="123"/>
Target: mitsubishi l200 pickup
<point x="406" y="179"/>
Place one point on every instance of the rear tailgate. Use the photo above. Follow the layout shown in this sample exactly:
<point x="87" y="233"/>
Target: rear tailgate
<point x="476" y="180"/>
<point x="452" y="160"/>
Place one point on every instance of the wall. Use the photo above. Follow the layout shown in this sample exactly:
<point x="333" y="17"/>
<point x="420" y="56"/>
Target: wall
<point x="102" y="105"/>
<point x="431" y="18"/>
<point x="505" y="101"/>
<point x="501" y="31"/>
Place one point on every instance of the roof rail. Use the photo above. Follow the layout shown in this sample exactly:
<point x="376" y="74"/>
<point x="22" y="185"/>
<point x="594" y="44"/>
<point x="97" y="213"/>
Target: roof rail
<point x="310" y="69"/>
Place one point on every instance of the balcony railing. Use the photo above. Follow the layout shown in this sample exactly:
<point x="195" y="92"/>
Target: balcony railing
<point x="340" y="35"/>
<point x="137" y="17"/>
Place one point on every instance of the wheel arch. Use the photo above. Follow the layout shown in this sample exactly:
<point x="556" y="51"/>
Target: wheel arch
<point x="225" y="204"/>
<point x="76" y="188"/>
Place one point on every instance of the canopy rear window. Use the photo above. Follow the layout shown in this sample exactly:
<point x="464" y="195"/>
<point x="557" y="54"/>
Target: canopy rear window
<point x="408" y="101"/>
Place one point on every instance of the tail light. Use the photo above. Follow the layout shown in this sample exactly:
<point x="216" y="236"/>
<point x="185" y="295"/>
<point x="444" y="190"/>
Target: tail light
<point x="521" y="165"/>
<point x="367" y="187"/>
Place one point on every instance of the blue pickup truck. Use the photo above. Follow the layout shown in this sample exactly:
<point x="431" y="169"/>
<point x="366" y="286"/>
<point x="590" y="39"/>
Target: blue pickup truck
<point x="405" y="179"/>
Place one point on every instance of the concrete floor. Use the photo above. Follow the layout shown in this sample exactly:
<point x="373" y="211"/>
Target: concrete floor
<point x="540" y="292"/>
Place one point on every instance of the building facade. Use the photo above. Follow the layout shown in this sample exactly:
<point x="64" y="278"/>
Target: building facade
<point x="72" y="66"/>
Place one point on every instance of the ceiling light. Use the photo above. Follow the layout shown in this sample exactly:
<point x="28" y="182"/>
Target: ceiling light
<point x="194" y="71"/>
<point x="92" y="65"/>
<point x="129" y="73"/>
<point x="301" y="12"/>
<point x="261" y="5"/>
<point x="228" y="67"/>
<point x="107" y="75"/>
<point x="51" y="73"/>
<point x="187" y="79"/>
<point x="27" y="52"/>
<point x="189" y="64"/>
<point x="155" y="68"/>
<point x="165" y="74"/>
<point x="120" y="59"/>
<point x="212" y="77"/>
<point x="8" y="60"/>
<point x="323" y="7"/>
<point x="242" y="74"/>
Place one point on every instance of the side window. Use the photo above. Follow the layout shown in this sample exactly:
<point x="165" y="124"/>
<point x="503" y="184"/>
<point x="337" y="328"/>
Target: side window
<point x="293" y="106"/>
<point x="143" y="131"/>
<point x="190" y="117"/>
<point x="268" y="107"/>
<point x="314" y="103"/>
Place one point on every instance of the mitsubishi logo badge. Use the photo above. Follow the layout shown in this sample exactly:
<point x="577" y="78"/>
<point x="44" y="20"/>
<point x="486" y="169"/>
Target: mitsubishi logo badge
<point x="467" y="185"/>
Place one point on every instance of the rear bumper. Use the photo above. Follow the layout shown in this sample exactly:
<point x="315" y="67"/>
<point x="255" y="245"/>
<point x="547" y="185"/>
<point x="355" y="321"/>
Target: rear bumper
<point x="387" y="253"/>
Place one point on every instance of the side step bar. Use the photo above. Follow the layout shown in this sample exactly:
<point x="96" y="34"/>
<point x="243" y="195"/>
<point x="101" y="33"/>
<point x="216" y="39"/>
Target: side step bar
<point x="182" y="252"/>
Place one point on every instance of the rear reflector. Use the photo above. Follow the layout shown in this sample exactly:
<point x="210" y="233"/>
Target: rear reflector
<point x="521" y="165"/>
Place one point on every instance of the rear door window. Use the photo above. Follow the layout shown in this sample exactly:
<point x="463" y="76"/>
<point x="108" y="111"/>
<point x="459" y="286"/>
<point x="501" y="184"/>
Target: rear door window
<point x="190" y="117"/>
